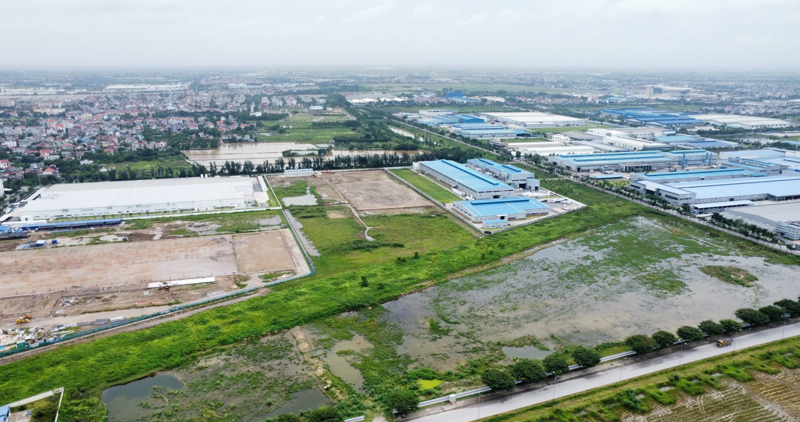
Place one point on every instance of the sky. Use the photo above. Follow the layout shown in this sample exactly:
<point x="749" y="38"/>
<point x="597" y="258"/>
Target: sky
<point x="537" y="34"/>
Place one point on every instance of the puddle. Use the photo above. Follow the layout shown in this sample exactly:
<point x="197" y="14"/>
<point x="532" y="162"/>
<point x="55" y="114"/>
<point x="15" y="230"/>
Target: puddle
<point x="123" y="401"/>
<point x="527" y="352"/>
<point x="339" y="364"/>
<point x="303" y="400"/>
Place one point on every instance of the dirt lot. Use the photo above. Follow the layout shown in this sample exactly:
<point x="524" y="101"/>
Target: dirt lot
<point x="374" y="190"/>
<point x="133" y="263"/>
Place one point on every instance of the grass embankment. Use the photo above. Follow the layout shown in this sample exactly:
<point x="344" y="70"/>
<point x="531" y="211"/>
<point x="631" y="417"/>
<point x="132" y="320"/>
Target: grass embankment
<point x="716" y="384"/>
<point x="730" y="275"/>
<point x="85" y="369"/>
<point x="441" y="141"/>
<point x="435" y="191"/>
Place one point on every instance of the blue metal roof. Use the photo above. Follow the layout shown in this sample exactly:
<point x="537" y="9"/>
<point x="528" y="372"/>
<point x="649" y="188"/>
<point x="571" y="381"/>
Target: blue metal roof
<point x="673" y="139"/>
<point x="464" y="175"/>
<point x="507" y="168"/>
<point x="503" y="206"/>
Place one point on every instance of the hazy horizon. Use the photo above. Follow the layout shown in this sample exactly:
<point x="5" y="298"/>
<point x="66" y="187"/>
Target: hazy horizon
<point x="612" y="35"/>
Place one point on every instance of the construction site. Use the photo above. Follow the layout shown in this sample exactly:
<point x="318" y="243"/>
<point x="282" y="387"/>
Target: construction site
<point x="128" y="271"/>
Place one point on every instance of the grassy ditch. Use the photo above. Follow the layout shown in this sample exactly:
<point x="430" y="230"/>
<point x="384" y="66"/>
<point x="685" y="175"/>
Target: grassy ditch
<point x="85" y="369"/>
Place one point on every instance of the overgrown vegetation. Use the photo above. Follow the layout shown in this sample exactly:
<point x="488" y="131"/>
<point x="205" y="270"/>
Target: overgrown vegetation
<point x="731" y="275"/>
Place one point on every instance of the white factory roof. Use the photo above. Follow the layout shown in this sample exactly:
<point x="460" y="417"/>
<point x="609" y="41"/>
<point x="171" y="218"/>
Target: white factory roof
<point x="737" y="119"/>
<point x="775" y="212"/>
<point x="533" y="117"/>
<point x="142" y="192"/>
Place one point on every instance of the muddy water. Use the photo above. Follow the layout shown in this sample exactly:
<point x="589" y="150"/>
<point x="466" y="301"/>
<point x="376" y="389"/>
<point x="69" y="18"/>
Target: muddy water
<point x="304" y="400"/>
<point x="526" y="352"/>
<point x="632" y="277"/>
<point x="123" y="401"/>
<point x="340" y="365"/>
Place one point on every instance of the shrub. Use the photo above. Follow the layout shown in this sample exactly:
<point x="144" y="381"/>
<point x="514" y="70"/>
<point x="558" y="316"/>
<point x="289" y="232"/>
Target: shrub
<point x="498" y="379"/>
<point x="628" y="399"/>
<point x="403" y="402"/>
<point x="585" y="357"/>
<point x="288" y="417"/>
<point x="556" y="363"/>
<point x="790" y="306"/>
<point x="711" y="328"/>
<point x="528" y="371"/>
<point x="730" y="326"/>
<point x="664" y="339"/>
<point x="325" y="414"/>
<point x="640" y="343"/>
<point x="689" y="333"/>
<point x="773" y="312"/>
<point x="752" y="316"/>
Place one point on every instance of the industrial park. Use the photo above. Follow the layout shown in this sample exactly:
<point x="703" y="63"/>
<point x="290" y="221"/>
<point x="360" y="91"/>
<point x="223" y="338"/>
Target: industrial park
<point x="420" y="211"/>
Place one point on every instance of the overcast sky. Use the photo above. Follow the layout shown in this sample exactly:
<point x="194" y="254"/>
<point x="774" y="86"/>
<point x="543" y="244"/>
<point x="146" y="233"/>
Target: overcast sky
<point x="610" y="34"/>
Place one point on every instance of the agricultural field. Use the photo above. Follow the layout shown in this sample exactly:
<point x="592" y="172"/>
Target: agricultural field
<point x="299" y="128"/>
<point x="147" y="168"/>
<point x="761" y="384"/>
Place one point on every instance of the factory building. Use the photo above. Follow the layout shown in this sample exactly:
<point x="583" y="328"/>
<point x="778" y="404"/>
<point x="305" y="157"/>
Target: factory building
<point x="693" y="175"/>
<point x="142" y="196"/>
<point x="487" y="131"/>
<point x="534" y="119"/>
<point x="769" y="161"/>
<point x="493" y="210"/>
<point x="642" y="115"/>
<point x="742" y="122"/>
<point x="516" y="176"/>
<point x="774" y="188"/>
<point x="463" y="179"/>
<point x="783" y="219"/>
<point x="694" y="142"/>
<point x="635" y="161"/>
<point x="646" y="133"/>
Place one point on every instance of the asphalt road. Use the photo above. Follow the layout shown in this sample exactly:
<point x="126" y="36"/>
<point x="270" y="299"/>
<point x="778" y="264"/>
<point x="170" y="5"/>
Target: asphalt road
<point x="600" y="379"/>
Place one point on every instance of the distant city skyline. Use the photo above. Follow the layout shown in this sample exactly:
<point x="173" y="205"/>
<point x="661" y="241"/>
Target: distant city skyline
<point x="599" y="34"/>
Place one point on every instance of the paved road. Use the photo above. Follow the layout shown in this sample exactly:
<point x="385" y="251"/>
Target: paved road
<point x="600" y="379"/>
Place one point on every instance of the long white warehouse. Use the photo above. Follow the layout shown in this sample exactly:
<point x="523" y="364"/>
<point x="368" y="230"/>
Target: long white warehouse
<point x="141" y="196"/>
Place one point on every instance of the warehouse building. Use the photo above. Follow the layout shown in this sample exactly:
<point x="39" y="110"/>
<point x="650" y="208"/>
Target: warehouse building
<point x="494" y="210"/>
<point x="514" y="175"/>
<point x="774" y="188"/>
<point x="783" y="219"/>
<point x="742" y="122"/>
<point x="647" y="133"/>
<point x="465" y="180"/>
<point x="534" y="119"/>
<point x="634" y="161"/>
<point x="487" y="131"/>
<point x="693" y="175"/>
<point x="142" y="196"/>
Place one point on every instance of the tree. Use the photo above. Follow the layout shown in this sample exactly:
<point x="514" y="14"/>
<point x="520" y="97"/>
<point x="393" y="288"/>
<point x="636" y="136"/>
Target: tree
<point x="730" y="326"/>
<point x="664" y="339"/>
<point x="689" y="333"/>
<point x="773" y="312"/>
<point x="711" y="328"/>
<point x="790" y="306"/>
<point x="529" y="371"/>
<point x="325" y="414"/>
<point x="288" y="417"/>
<point x="640" y="343"/>
<point x="498" y="379"/>
<point x="752" y="316"/>
<point x="585" y="356"/>
<point x="556" y="363"/>
<point x="403" y="402"/>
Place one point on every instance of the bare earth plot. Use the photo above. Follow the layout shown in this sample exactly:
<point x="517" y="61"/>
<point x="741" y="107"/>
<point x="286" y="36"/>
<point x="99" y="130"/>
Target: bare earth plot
<point x="133" y="263"/>
<point x="374" y="190"/>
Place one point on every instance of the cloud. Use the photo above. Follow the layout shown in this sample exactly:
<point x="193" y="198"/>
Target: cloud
<point x="371" y="13"/>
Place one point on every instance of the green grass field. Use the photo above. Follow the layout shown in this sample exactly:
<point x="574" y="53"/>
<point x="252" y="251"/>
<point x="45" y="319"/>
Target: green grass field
<point x="302" y="131"/>
<point x="147" y="167"/>
<point x="433" y="189"/>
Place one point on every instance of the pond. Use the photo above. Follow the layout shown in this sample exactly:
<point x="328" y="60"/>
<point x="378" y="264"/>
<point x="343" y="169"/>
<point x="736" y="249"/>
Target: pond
<point x="123" y="401"/>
